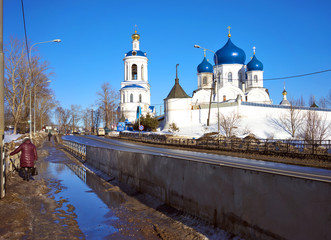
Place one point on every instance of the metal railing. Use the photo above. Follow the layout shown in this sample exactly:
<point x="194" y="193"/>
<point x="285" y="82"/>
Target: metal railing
<point x="320" y="149"/>
<point x="77" y="149"/>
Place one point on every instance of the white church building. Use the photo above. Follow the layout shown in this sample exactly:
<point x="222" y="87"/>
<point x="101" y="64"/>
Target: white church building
<point x="230" y="79"/>
<point x="135" y="89"/>
<point x="229" y="86"/>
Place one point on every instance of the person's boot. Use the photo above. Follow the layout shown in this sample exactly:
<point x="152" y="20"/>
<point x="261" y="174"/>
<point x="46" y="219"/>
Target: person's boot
<point x="28" y="174"/>
<point x="24" y="173"/>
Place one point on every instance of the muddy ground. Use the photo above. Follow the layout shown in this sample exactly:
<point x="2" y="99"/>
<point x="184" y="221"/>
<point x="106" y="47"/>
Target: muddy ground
<point x="29" y="211"/>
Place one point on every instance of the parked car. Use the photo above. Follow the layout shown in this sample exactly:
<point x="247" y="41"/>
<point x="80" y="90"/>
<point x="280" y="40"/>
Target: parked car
<point x="101" y="132"/>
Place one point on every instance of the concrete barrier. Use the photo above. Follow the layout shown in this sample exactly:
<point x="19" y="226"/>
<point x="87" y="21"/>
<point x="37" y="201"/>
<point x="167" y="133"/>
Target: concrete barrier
<point x="250" y="204"/>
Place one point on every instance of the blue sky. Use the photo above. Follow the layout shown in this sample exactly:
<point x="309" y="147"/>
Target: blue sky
<point x="291" y="38"/>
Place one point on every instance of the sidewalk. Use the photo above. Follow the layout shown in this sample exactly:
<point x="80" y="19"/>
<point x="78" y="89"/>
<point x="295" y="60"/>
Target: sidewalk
<point x="29" y="210"/>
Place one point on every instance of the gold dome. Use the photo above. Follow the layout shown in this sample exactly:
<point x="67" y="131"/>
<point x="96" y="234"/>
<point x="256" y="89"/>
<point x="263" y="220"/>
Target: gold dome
<point x="135" y="36"/>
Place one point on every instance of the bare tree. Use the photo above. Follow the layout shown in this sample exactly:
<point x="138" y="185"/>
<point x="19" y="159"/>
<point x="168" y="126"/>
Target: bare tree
<point x="75" y="116"/>
<point x="325" y="102"/>
<point x="108" y="99"/>
<point x="87" y="119"/>
<point x="299" y="102"/>
<point x="16" y="80"/>
<point x="290" y="120"/>
<point x="20" y="80"/>
<point x="316" y="126"/>
<point x="63" y="118"/>
<point x="229" y="123"/>
<point x="97" y="117"/>
<point x="44" y="107"/>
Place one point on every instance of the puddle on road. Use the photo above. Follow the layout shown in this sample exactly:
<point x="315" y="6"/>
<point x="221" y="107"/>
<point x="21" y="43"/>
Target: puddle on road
<point x="94" y="217"/>
<point x="103" y="211"/>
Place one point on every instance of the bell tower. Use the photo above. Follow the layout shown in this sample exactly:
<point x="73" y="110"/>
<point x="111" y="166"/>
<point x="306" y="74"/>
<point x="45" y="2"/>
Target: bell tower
<point x="135" y="89"/>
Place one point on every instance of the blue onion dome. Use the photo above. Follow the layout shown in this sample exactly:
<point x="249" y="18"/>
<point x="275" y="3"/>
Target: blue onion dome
<point x="205" y="66"/>
<point x="136" y="53"/>
<point x="254" y="65"/>
<point x="229" y="54"/>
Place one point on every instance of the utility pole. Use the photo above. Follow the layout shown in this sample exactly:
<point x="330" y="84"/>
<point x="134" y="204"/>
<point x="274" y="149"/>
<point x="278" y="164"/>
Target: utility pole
<point x="2" y="109"/>
<point x="92" y="129"/>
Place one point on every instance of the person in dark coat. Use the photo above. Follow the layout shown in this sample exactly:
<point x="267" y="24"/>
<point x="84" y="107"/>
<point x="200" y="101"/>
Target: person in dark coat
<point x="49" y="136"/>
<point x="28" y="156"/>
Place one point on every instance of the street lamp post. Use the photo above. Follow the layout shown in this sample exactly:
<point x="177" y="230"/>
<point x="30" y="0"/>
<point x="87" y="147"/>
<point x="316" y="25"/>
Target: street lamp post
<point x="31" y="77"/>
<point x="41" y="116"/>
<point x="34" y="104"/>
<point x="217" y="87"/>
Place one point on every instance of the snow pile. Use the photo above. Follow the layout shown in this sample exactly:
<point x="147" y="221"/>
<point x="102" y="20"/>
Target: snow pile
<point x="11" y="137"/>
<point x="259" y="127"/>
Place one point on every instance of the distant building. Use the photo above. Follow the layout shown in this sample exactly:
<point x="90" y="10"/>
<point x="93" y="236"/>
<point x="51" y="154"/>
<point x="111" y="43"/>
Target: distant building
<point x="230" y="77"/>
<point x="135" y="89"/>
<point x="230" y="86"/>
<point x="285" y="102"/>
<point x="228" y="80"/>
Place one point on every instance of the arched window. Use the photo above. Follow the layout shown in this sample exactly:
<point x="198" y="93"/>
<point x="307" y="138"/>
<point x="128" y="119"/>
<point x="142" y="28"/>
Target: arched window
<point x="142" y="72"/>
<point x="230" y="76"/>
<point x="123" y="98"/>
<point x="255" y="78"/>
<point x="140" y="98"/>
<point x="204" y="81"/>
<point x="134" y="72"/>
<point x="131" y="97"/>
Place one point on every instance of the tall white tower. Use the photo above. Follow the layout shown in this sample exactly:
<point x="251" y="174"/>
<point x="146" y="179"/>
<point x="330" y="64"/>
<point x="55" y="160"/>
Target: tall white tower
<point x="135" y="89"/>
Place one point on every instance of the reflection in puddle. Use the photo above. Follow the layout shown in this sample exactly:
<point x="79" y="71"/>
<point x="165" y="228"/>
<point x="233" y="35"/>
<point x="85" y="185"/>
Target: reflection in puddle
<point x="79" y="171"/>
<point x="92" y="214"/>
<point x="103" y="211"/>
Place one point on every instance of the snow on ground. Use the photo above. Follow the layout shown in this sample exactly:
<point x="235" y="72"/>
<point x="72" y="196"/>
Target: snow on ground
<point x="11" y="137"/>
<point x="261" y="128"/>
<point x="258" y="126"/>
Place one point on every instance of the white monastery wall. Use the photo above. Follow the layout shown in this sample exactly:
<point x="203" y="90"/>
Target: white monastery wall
<point x="254" y="119"/>
<point x="177" y="110"/>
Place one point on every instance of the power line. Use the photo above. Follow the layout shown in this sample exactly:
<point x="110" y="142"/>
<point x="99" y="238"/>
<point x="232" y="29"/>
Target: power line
<point x="295" y="76"/>
<point x="26" y="38"/>
<point x="280" y="78"/>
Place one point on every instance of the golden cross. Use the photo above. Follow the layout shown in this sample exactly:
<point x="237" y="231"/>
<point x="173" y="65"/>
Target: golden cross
<point x="135" y="28"/>
<point x="254" y="49"/>
<point x="229" y="35"/>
